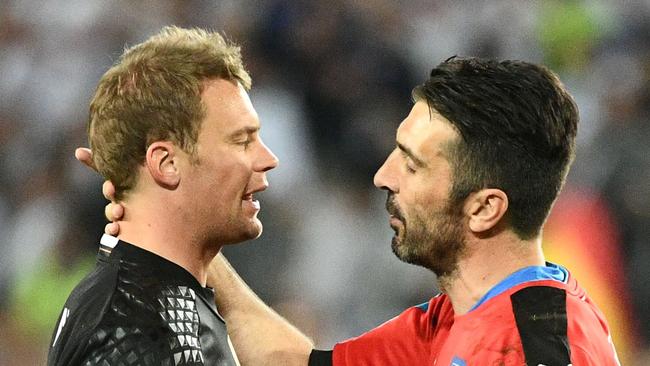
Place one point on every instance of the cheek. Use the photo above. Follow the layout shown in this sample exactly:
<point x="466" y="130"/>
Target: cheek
<point x="421" y="202"/>
<point x="231" y="177"/>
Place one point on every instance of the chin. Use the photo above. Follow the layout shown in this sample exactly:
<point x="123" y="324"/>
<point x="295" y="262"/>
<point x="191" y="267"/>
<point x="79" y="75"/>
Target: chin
<point x="255" y="235"/>
<point x="255" y="229"/>
<point x="404" y="253"/>
<point x="399" y="250"/>
<point x="249" y="231"/>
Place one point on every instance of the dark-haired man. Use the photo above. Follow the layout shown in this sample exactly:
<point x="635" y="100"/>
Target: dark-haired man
<point x="477" y="165"/>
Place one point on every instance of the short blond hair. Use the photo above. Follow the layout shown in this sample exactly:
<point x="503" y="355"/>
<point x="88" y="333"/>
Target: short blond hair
<point x="153" y="93"/>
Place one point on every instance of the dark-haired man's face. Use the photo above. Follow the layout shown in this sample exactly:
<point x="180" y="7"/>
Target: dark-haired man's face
<point x="417" y="175"/>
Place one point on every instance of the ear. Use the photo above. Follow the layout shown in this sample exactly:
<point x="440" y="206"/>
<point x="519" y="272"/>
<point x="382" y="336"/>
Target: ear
<point x="163" y="165"/>
<point x="485" y="209"/>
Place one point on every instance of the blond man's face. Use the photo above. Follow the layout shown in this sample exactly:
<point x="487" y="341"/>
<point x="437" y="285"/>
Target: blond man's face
<point x="230" y="166"/>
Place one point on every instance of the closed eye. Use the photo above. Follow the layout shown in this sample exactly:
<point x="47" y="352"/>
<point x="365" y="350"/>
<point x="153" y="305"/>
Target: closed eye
<point x="410" y="169"/>
<point x="245" y="143"/>
<point x="244" y="136"/>
<point x="408" y="154"/>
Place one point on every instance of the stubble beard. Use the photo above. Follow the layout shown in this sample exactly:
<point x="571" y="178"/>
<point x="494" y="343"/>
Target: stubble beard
<point x="435" y="243"/>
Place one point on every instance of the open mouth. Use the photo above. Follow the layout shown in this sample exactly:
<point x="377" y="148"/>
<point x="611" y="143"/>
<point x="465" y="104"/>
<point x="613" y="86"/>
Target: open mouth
<point x="251" y="201"/>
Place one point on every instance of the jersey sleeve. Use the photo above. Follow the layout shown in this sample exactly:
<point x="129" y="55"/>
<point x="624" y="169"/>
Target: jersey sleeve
<point x="403" y="340"/>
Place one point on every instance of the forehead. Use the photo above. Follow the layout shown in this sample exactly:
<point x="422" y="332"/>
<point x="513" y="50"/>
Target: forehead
<point x="228" y="105"/>
<point x="425" y="131"/>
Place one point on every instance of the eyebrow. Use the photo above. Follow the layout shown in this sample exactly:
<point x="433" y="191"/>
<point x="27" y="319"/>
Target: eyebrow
<point x="406" y="150"/>
<point x="245" y="130"/>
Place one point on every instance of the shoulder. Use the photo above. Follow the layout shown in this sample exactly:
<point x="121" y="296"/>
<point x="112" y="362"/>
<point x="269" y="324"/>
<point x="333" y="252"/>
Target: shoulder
<point x="540" y="309"/>
<point x="566" y="304"/>
<point x="82" y="313"/>
<point x="557" y="321"/>
<point x="405" y="339"/>
<point x="429" y="316"/>
<point x="153" y="320"/>
<point x="526" y="323"/>
<point x="113" y="319"/>
<point x="588" y="331"/>
<point x="420" y="320"/>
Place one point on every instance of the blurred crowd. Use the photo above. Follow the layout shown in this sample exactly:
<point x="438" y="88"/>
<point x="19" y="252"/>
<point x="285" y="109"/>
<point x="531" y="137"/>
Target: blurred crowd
<point x="331" y="82"/>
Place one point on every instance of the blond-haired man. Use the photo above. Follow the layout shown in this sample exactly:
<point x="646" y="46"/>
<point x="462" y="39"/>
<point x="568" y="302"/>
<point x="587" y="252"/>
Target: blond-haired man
<point x="172" y="126"/>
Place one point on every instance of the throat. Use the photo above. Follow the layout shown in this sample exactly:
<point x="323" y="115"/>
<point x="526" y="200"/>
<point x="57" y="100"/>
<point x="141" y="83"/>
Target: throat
<point x="463" y="292"/>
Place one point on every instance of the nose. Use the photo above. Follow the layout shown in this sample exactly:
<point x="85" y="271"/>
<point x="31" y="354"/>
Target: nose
<point x="385" y="177"/>
<point x="266" y="160"/>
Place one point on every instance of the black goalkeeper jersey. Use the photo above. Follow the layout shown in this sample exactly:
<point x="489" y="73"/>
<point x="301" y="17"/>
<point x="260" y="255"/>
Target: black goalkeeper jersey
<point x="137" y="308"/>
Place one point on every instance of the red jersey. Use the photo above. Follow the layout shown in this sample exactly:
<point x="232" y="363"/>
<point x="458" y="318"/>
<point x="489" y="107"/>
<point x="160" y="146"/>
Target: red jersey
<point x="537" y="316"/>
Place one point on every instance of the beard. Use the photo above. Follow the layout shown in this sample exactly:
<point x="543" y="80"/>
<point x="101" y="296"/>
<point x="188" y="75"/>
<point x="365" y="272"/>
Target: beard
<point x="433" y="240"/>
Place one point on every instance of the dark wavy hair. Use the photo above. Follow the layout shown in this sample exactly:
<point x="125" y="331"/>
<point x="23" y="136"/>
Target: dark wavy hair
<point x="518" y="126"/>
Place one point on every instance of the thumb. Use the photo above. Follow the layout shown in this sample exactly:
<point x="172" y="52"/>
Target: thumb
<point x="85" y="156"/>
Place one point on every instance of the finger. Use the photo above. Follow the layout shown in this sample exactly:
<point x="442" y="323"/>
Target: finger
<point x="108" y="189"/>
<point x="118" y="211"/>
<point x="114" y="211"/>
<point x="85" y="155"/>
<point x="112" y="228"/>
<point x="108" y="212"/>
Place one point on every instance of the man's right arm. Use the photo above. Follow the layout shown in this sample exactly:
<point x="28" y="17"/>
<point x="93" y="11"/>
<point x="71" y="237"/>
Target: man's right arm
<point x="259" y="334"/>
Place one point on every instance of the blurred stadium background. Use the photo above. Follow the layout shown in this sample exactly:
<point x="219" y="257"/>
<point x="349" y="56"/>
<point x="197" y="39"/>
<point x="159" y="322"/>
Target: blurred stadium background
<point x="332" y="80"/>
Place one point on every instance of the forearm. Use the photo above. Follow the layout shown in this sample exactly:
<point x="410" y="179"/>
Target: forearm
<point x="259" y="334"/>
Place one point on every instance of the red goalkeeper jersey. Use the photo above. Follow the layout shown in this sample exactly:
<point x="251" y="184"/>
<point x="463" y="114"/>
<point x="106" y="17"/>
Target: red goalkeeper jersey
<point x="537" y="316"/>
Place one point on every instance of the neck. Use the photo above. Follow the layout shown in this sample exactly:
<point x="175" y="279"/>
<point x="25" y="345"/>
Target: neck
<point x="486" y="263"/>
<point x="158" y="227"/>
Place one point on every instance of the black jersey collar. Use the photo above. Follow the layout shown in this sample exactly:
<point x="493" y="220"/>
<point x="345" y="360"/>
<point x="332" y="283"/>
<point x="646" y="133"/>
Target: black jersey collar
<point x="147" y="263"/>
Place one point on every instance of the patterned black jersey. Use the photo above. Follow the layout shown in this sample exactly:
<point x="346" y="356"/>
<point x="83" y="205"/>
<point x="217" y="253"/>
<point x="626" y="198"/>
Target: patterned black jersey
<point x="137" y="308"/>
